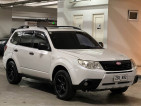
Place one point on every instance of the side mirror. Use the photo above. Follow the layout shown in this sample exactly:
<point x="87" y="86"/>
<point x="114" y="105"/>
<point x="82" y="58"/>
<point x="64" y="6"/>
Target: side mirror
<point x="101" y="44"/>
<point x="43" y="46"/>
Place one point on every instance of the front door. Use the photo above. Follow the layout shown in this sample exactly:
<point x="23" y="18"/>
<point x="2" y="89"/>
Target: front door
<point x="33" y="61"/>
<point x="42" y="57"/>
<point x="98" y="27"/>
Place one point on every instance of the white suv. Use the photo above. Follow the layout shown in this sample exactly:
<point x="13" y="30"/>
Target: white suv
<point x="69" y="58"/>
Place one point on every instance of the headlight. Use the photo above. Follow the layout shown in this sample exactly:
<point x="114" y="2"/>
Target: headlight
<point x="133" y="64"/>
<point x="90" y="64"/>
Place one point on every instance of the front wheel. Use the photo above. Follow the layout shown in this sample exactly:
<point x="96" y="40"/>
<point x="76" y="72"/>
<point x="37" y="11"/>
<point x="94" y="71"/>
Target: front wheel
<point x="12" y="74"/>
<point x="119" y="90"/>
<point x="63" y="85"/>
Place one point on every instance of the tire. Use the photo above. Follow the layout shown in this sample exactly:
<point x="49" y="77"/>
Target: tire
<point x="12" y="74"/>
<point x="63" y="85"/>
<point x="119" y="90"/>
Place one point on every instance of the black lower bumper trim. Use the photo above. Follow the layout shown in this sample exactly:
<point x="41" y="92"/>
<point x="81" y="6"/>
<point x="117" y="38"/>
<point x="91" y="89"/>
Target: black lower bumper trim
<point x="136" y="79"/>
<point x="88" y="84"/>
<point x="118" y="72"/>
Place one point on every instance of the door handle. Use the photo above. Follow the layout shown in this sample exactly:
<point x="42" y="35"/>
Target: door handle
<point x="31" y="53"/>
<point x="15" y="50"/>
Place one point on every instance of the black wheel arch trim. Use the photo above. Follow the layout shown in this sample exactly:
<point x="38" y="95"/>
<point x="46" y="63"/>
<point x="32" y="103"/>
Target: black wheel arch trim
<point x="10" y="59"/>
<point x="58" y="68"/>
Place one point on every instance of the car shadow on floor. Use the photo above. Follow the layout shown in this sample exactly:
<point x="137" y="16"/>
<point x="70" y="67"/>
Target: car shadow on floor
<point x="110" y="99"/>
<point x="95" y="98"/>
<point x="1" y="57"/>
<point x="37" y="84"/>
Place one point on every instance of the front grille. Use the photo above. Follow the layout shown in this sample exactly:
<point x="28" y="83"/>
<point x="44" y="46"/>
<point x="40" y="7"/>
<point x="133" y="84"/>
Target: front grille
<point x="116" y="65"/>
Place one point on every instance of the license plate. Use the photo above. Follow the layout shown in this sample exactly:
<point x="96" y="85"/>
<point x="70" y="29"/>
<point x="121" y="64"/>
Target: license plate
<point x="120" y="78"/>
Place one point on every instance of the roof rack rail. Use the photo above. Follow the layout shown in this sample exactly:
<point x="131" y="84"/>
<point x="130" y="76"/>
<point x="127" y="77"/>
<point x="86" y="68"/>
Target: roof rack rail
<point x="66" y="27"/>
<point x="76" y="28"/>
<point x="42" y="27"/>
<point x="26" y="26"/>
<point x="23" y="27"/>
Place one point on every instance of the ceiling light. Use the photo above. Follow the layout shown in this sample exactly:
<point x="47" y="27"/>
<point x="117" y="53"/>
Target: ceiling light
<point x="35" y="4"/>
<point x="22" y="0"/>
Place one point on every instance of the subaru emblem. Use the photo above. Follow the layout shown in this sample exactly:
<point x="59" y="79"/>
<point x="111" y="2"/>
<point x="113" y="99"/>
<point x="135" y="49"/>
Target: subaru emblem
<point x="118" y="63"/>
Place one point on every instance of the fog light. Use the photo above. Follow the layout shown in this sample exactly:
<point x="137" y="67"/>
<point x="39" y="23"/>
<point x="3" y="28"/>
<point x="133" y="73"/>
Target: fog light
<point x="86" y="84"/>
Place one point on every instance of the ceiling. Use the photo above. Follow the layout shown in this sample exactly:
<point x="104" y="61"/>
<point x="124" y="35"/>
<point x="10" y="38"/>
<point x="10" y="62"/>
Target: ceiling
<point x="33" y="3"/>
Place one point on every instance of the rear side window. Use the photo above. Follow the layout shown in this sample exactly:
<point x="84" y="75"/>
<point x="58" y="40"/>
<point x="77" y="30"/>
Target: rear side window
<point x="16" y="38"/>
<point x="39" y="38"/>
<point x="26" y="38"/>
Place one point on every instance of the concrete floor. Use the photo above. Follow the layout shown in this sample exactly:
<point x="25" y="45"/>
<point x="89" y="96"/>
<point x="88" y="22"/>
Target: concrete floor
<point x="36" y="93"/>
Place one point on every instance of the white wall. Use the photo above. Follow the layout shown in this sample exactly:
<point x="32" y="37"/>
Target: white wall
<point x="34" y="12"/>
<point x="5" y="22"/>
<point x="67" y="10"/>
<point x="16" y="23"/>
<point x="124" y="35"/>
<point x="89" y="3"/>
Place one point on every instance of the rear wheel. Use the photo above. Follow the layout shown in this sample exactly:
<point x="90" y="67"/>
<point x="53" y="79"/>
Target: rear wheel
<point x="63" y="85"/>
<point x="12" y="74"/>
<point x="119" y="90"/>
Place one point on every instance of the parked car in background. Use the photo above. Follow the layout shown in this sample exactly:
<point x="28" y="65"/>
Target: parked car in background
<point x="68" y="57"/>
<point x="3" y="42"/>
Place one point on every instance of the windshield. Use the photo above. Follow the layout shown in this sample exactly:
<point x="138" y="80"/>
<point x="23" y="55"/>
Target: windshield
<point x="73" y="40"/>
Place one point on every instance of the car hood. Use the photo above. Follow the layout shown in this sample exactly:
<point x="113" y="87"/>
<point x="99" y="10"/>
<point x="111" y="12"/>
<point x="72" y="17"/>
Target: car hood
<point x="96" y="54"/>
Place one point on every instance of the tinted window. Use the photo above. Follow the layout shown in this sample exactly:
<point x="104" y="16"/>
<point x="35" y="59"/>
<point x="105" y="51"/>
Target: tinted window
<point x="16" y="38"/>
<point x="73" y="40"/>
<point x="26" y="38"/>
<point x="39" y="38"/>
<point x="85" y="40"/>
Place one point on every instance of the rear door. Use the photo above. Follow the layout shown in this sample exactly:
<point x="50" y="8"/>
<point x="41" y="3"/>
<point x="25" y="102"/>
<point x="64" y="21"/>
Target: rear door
<point x="11" y="48"/>
<point x="23" y="51"/>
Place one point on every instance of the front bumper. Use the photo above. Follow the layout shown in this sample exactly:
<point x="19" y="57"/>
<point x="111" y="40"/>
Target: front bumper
<point x="95" y="84"/>
<point x="107" y="81"/>
<point x="136" y="79"/>
<point x="88" y="85"/>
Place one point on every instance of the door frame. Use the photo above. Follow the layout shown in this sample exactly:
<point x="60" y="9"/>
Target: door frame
<point x="78" y="15"/>
<point x="93" y="26"/>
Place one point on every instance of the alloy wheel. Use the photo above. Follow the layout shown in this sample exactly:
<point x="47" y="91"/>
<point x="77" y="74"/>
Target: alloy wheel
<point x="61" y="84"/>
